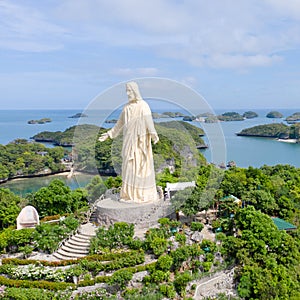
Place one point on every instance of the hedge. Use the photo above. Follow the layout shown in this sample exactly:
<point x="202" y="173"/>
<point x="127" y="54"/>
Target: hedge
<point x="41" y="284"/>
<point x="93" y="257"/>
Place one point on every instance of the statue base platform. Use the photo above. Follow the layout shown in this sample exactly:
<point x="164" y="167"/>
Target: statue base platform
<point x="142" y="215"/>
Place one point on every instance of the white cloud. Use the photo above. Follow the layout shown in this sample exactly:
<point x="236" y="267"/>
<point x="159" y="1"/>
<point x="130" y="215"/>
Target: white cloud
<point x="288" y="8"/>
<point x="224" y="34"/>
<point x="220" y="34"/>
<point x="27" y="29"/>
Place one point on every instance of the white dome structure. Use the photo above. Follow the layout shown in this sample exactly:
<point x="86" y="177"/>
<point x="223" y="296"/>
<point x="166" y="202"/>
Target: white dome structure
<point x="28" y="218"/>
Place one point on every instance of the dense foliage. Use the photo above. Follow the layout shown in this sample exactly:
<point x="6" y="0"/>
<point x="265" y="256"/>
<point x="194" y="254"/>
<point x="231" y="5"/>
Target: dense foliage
<point x="250" y="114"/>
<point x="231" y="116"/>
<point x="177" y="147"/>
<point x="23" y="158"/>
<point x="294" y="117"/>
<point x="274" y="114"/>
<point x="268" y="259"/>
<point x="45" y="237"/>
<point x="9" y="207"/>
<point x="57" y="198"/>
<point x="274" y="130"/>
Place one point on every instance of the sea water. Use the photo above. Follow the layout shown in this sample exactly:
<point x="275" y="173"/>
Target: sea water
<point x="245" y="151"/>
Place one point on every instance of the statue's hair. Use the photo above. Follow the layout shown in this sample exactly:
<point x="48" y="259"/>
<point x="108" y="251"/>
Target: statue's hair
<point x="134" y="87"/>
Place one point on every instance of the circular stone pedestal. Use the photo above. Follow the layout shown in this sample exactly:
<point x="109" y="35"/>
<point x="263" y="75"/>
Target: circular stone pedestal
<point x="142" y="215"/>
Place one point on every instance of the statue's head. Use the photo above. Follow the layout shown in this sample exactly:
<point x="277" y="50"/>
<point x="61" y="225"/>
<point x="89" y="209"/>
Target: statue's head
<point x="133" y="92"/>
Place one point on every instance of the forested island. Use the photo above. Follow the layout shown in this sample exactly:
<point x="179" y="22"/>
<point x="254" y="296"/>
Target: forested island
<point x="79" y="115"/>
<point x="274" y="115"/>
<point x="231" y="116"/>
<point x="295" y="117"/>
<point x="276" y="130"/>
<point x="250" y="114"/>
<point x="227" y="116"/>
<point x="40" y="121"/>
<point x="21" y="158"/>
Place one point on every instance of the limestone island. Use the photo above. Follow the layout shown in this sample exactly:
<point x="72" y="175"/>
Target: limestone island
<point x="111" y="121"/>
<point x="231" y="116"/>
<point x="274" y="114"/>
<point x="40" y="121"/>
<point x="173" y="114"/>
<point x="78" y="115"/>
<point x="294" y="118"/>
<point x="250" y="114"/>
<point x="279" y="131"/>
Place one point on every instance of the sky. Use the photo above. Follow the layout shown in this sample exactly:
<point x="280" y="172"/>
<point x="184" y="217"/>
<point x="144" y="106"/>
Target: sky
<point x="61" y="54"/>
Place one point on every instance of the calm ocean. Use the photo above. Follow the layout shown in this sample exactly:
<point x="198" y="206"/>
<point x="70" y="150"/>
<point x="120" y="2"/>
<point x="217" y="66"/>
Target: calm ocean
<point x="245" y="151"/>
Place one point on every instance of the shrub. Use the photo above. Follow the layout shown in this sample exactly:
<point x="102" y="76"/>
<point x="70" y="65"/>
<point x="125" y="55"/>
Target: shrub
<point x="180" y="238"/>
<point x="181" y="281"/>
<point x="121" y="278"/>
<point x="167" y="290"/>
<point x="164" y="221"/>
<point x="164" y="262"/>
<point x="34" y="294"/>
<point x="118" y="235"/>
<point x="216" y="224"/>
<point x="208" y="246"/>
<point x="206" y="266"/>
<point x="159" y="276"/>
<point x="54" y="286"/>
<point x="196" y="226"/>
<point x="220" y="236"/>
<point x="159" y="245"/>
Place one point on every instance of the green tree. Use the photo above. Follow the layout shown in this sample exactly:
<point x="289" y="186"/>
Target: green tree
<point x="9" y="207"/>
<point x="95" y="188"/>
<point x="57" y="198"/>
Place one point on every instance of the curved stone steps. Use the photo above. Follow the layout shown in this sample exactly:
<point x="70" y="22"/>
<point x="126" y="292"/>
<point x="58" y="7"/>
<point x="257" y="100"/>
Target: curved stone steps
<point x="78" y="239"/>
<point x="77" y="250"/>
<point x="78" y="245"/>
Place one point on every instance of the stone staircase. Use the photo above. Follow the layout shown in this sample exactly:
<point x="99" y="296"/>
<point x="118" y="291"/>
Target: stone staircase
<point x="77" y="245"/>
<point x="93" y="217"/>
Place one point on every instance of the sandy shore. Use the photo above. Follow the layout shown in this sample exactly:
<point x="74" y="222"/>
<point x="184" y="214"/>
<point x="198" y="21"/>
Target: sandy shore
<point x="64" y="173"/>
<point x="292" y="141"/>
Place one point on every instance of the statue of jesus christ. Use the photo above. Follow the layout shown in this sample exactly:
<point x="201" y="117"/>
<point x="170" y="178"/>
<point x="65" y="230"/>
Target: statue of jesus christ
<point x="136" y="123"/>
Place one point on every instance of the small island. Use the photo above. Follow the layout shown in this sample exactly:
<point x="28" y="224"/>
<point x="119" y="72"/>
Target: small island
<point x="280" y="131"/>
<point x="295" y="117"/>
<point x="112" y="121"/>
<point x="231" y="116"/>
<point x="78" y="115"/>
<point x="173" y="114"/>
<point x="274" y="114"/>
<point x="156" y="115"/>
<point x="189" y="118"/>
<point x="250" y="114"/>
<point x="39" y="121"/>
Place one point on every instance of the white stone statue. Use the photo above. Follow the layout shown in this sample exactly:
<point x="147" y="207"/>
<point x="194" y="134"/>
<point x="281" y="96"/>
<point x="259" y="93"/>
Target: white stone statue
<point x="137" y="125"/>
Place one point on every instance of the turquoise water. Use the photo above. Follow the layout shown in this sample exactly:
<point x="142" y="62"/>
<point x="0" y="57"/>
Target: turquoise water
<point x="255" y="151"/>
<point x="28" y="185"/>
<point x="245" y="151"/>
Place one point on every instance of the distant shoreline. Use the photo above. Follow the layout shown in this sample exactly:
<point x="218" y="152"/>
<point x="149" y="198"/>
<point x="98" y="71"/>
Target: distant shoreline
<point x="66" y="173"/>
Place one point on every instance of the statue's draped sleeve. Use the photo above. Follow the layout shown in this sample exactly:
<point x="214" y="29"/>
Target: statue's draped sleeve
<point x="116" y="130"/>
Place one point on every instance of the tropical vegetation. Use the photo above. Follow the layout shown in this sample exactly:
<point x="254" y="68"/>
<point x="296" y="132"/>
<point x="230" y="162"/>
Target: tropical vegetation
<point x="274" y="130"/>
